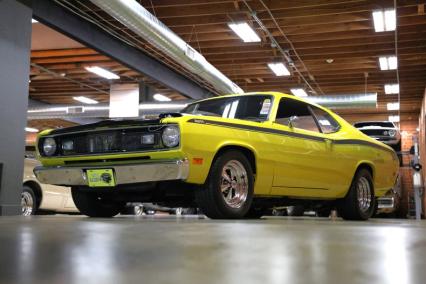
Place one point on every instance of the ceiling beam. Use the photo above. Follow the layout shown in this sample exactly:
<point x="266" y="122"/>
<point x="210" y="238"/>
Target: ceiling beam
<point x="53" y="15"/>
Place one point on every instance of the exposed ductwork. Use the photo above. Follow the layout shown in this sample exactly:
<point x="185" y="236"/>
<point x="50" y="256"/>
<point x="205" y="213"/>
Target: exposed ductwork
<point x="135" y="17"/>
<point x="98" y="111"/>
<point x="45" y="111"/>
<point x="364" y="100"/>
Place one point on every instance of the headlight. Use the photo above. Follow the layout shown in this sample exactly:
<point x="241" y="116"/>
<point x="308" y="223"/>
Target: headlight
<point x="392" y="133"/>
<point x="171" y="136"/>
<point x="49" y="146"/>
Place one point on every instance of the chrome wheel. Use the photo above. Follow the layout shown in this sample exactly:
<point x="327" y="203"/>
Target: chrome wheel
<point x="27" y="203"/>
<point x="138" y="210"/>
<point x="364" y="194"/>
<point x="234" y="184"/>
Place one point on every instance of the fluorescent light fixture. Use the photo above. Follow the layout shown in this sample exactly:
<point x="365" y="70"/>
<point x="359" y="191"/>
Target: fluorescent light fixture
<point x="30" y="129"/>
<point x="393" y="118"/>
<point x="391" y="89"/>
<point x="279" y="69"/>
<point x="245" y="32"/>
<point x="299" y="92"/>
<point x="102" y="72"/>
<point x="392" y="106"/>
<point x="384" y="20"/>
<point x="34" y="21"/>
<point x="388" y="62"/>
<point x="85" y="100"/>
<point x="161" y="98"/>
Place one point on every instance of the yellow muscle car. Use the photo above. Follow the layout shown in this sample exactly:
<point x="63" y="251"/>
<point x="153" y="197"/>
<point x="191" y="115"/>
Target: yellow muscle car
<point x="232" y="156"/>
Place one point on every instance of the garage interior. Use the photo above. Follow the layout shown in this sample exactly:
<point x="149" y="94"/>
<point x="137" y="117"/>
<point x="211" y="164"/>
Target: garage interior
<point x="333" y="49"/>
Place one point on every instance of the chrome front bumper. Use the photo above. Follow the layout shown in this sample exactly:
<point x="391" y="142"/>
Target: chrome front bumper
<point x="386" y="204"/>
<point x="124" y="174"/>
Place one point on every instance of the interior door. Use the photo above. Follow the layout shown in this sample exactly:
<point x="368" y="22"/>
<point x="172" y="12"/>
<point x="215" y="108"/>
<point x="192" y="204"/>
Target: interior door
<point x="303" y="153"/>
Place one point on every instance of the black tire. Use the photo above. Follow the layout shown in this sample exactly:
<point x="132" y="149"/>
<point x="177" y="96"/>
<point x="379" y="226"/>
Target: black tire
<point x="296" y="210"/>
<point x="210" y="198"/>
<point x="397" y="147"/>
<point x="349" y="207"/>
<point x="323" y="212"/>
<point x="255" y="213"/>
<point x="28" y="201"/>
<point x="93" y="204"/>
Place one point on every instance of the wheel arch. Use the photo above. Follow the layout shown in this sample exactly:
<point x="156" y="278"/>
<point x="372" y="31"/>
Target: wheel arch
<point x="368" y="166"/>
<point x="37" y="191"/>
<point x="247" y="151"/>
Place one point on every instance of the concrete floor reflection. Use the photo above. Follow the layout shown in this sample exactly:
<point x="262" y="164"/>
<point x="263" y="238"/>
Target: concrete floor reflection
<point x="76" y="249"/>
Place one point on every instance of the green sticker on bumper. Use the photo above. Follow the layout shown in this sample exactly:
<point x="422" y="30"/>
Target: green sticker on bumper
<point x="101" y="178"/>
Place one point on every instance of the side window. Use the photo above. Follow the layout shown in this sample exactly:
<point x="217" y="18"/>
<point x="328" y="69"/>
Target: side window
<point x="327" y="123"/>
<point x="302" y="117"/>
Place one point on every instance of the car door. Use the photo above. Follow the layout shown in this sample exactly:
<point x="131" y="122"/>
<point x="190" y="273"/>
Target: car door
<point x="302" y="151"/>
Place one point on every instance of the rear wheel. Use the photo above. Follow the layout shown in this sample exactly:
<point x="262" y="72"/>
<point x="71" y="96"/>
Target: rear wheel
<point x="28" y="201"/>
<point x="359" y="203"/>
<point x="94" y="204"/>
<point x="228" y="192"/>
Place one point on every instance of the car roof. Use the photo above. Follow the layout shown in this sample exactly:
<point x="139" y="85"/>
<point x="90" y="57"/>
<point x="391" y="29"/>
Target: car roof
<point x="272" y="93"/>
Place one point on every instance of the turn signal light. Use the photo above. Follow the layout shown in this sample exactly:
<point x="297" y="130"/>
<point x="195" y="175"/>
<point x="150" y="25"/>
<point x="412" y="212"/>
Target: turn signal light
<point x="197" y="161"/>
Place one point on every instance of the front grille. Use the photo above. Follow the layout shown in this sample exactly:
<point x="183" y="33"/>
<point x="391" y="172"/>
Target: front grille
<point x="375" y="132"/>
<point x="108" y="141"/>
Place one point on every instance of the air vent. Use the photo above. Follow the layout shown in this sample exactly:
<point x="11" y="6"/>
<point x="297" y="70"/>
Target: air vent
<point x="75" y="110"/>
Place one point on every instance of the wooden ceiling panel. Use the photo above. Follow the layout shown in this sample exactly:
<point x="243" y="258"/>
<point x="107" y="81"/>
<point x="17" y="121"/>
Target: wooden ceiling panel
<point x="340" y="31"/>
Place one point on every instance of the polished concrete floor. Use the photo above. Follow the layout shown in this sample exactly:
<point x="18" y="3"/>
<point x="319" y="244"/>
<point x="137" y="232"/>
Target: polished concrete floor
<point x="166" y="249"/>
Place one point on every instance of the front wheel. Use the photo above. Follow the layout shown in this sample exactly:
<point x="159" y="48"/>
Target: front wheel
<point x="228" y="192"/>
<point x="359" y="202"/>
<point x="94" y="204"/>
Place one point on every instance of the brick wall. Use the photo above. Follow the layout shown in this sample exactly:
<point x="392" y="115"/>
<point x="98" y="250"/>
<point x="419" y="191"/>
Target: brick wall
<point x="422" y="142"/>
<point x="408" y="129"/>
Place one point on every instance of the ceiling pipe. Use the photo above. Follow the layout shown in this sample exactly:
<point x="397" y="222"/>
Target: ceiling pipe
<point x="135" y="17"/>
<point x="45" y="111"/>
<point x="98" y="111"/>
<point x="364" y="100"/>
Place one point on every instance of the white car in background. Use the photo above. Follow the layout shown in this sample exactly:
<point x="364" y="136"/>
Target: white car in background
<point x="37" y="197"/>
<point x="383" y="131"/>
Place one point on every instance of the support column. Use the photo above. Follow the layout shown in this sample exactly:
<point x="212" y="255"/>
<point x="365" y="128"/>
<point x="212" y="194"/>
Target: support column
<point x="145" y="93"/>
<point x="15" y="44"/>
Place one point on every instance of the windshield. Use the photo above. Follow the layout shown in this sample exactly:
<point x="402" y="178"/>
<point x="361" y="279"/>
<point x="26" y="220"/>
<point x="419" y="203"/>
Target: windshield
<point x="248" y="107"/>
<point x="374" y="124"/>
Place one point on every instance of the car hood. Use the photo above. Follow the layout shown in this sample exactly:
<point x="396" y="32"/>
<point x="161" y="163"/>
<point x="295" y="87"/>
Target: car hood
<point x="377" y="127"/>
<point x="105" y="124"/>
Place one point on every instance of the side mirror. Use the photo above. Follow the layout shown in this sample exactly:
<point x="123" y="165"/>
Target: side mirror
<point x="291" y="121"/>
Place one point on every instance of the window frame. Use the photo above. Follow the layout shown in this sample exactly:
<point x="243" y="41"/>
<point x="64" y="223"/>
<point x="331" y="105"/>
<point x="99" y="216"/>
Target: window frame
<point x="308" y="106"/>
<point x="269" y="96"/>
<point x="311" y="109"/>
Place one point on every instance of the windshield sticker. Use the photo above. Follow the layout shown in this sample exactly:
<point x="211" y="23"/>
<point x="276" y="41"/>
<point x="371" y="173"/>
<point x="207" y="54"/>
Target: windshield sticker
<point x="265" y="107"/>
<point x="324" y="122"/>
